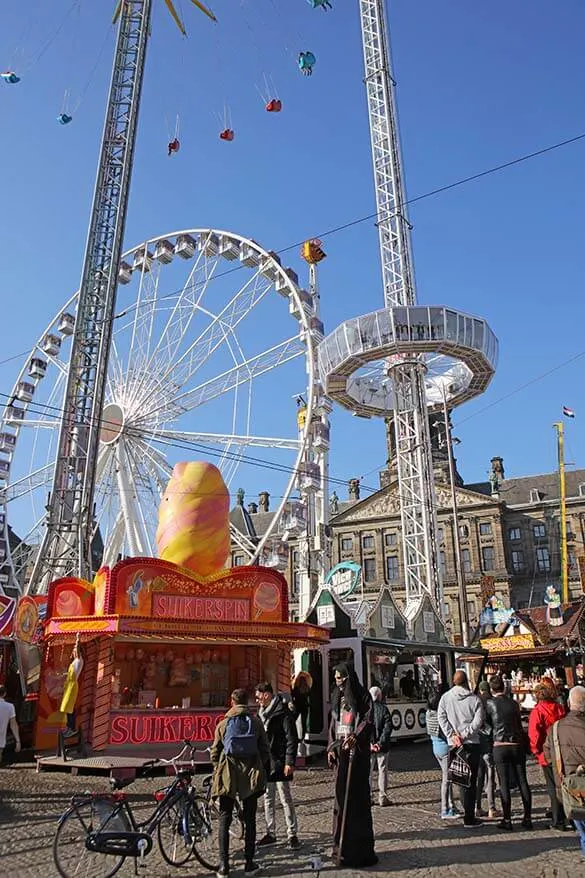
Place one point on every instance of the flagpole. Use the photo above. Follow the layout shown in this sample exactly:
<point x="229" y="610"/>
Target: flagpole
<point x="563" y="499"/>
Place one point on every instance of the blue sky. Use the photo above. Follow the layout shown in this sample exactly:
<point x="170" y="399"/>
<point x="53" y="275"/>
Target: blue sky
<point x="478" y="84"/>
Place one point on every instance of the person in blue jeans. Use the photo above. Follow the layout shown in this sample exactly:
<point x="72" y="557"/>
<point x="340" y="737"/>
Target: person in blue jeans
<point x="441" y="753"/>
<point x="571" y="732"/>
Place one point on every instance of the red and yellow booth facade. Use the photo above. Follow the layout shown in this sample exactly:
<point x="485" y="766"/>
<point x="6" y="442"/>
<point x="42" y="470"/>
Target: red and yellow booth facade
<point x="162" y="650"/>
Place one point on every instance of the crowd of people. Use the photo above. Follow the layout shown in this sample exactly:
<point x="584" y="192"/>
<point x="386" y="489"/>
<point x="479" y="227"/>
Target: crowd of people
<point x="486" y="731"/>
<point x="254" y="756"/>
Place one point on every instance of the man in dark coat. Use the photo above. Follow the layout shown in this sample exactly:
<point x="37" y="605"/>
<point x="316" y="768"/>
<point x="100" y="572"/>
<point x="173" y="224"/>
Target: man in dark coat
<point x="279" y="723"/>
<point x="571" y="732"/>
<point x="380" y="745"/>
<point x="350" y="734"/>
<point x="237" y="777"/>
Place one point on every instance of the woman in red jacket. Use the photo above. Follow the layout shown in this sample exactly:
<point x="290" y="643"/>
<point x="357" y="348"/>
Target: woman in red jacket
<point x="546" y="712"/>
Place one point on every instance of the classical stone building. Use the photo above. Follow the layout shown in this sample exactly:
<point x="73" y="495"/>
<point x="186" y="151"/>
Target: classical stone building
<point x="508" y="529"/>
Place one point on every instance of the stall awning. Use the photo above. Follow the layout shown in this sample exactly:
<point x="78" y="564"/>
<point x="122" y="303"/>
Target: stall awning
<point x="291" y="634"/>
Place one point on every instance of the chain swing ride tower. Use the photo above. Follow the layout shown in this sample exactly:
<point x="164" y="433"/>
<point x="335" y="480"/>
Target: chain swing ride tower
<point x="67" y="540"/>
<point x="401" y="361"/>
<point x="66" y="545"/>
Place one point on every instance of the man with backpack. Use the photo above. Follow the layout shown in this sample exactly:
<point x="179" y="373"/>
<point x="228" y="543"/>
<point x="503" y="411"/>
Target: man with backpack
<point x="240" y="757"/>
<point x="279" y="723"/>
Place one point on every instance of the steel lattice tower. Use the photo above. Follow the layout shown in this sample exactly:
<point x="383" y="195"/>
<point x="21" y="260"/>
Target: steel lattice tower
<point x="66" y="546"/>
<point x="378" y="364"/>
<point x="413" y="446"/>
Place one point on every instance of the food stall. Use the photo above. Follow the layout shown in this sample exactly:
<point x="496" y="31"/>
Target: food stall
<point x="535" y="643"/>
<point x="163" y="648"/>
<point x="20" y="633"/>
<point x="375" y="637"/>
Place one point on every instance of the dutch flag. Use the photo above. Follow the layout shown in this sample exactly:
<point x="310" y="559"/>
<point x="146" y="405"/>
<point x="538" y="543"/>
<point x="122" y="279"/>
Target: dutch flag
<point x="568" y="413"/>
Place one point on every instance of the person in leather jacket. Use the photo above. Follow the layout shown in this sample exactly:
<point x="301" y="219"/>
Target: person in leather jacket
<point x="503" y="715"/>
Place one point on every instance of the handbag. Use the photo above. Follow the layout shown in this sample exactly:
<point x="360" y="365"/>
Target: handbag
<point x="459" y="771"/>
<point x="572" y="785"/>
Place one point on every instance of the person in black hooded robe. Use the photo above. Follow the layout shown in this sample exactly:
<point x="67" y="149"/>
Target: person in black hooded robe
<point x="350" y="732"/>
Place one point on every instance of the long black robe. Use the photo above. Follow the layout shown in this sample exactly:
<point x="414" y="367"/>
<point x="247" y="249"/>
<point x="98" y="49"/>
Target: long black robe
<point x="358" y="839"/>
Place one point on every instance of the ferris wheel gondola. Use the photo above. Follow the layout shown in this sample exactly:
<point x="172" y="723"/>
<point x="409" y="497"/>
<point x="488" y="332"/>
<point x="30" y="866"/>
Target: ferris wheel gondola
<point x="193" y="345"/>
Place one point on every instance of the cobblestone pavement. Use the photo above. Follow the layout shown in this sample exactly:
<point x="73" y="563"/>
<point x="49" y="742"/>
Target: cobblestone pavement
<point x="411" y="839"/>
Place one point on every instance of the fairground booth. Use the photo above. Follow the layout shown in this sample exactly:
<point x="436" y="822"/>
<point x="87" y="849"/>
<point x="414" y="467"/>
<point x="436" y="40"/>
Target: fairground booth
<point x="407" y="660"/>
<point x="162" y="650"/>
<point x="20" y="658"/>
<point x="542" y="641"/>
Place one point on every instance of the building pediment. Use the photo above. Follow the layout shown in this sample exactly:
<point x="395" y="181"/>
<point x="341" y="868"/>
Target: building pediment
<point x="386" y="503"/>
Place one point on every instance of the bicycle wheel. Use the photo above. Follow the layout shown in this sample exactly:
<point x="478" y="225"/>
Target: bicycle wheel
<point x="204" y="833"/>
<point x="174" y="839"/>
<point x="70" y="855"/>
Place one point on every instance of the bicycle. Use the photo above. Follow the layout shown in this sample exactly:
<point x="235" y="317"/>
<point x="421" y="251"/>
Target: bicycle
<point x="99" y="831"/>
<point x="206" y="845"/>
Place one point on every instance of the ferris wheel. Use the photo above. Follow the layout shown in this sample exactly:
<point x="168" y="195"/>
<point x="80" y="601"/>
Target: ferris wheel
<point x="212" y="339"/>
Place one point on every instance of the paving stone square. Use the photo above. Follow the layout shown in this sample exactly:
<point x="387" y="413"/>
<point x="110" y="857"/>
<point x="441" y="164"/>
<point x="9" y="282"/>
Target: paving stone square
<point x="411" y="839"/>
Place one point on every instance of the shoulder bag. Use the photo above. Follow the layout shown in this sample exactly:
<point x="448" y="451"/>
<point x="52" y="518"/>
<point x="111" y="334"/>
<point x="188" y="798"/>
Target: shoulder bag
<point x="459" y="771"/>
<point x="572" y="785"/>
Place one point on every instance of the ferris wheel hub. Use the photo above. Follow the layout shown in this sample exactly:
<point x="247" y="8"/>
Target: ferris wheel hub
<point x="113" y="421"/>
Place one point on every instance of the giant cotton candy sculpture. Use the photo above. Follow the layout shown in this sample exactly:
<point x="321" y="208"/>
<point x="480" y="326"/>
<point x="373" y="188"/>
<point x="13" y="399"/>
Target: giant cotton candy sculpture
<point x="193" y="519"/>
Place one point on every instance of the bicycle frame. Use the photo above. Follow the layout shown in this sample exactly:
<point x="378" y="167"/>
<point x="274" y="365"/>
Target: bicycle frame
<point x="136" y="840"/>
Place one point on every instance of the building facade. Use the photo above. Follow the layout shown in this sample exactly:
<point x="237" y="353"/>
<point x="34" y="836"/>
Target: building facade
<point x="509" y="536"/>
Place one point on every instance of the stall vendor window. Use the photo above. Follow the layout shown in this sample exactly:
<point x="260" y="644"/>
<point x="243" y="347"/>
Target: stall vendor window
<point x="186" y="675"/>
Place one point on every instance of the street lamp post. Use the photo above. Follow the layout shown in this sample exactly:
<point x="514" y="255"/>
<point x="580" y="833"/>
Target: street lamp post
<point x="463" y="609"/>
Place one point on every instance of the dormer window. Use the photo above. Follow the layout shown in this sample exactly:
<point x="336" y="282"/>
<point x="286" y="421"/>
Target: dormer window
<point x="535" y="495"/>
<point x="582" y="490"/>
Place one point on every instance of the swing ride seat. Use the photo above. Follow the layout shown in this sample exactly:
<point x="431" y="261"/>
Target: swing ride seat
<point x="227" y="134"/>
<point x="274" y="106"/>
<point x="64" y="118"/>
<point x="10" y="77"/>
<point x="307" y="61"/>
<point x="174" y="146"/>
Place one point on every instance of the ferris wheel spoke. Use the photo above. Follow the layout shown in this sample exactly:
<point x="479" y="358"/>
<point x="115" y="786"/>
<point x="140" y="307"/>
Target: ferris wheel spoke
<point x="62" y="367"/>
<point x="156" y="465"/>
<point x="115" y="378"/>
<point x="20" y="555"/>
<point x="213" y="336"/>
<point x="44" y="424"/>
<point x="227" y="381"/>
<point x="31" y="482"/>
<point x="225" y="439"/>
<point x="186" y="307"/>
<point x="144" y="316"/>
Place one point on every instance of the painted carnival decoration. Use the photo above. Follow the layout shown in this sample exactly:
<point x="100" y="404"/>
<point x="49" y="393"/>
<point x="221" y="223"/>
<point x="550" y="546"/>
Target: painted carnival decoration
<point x="554" y="612"/>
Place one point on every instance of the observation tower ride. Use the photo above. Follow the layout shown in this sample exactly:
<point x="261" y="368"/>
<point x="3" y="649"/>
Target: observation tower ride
<point x="404" y="360"/>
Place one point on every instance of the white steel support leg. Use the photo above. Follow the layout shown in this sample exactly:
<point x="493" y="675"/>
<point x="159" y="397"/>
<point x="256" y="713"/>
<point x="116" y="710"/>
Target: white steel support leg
<point x="415" y="479"/>
<point x="136" y="541"/>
